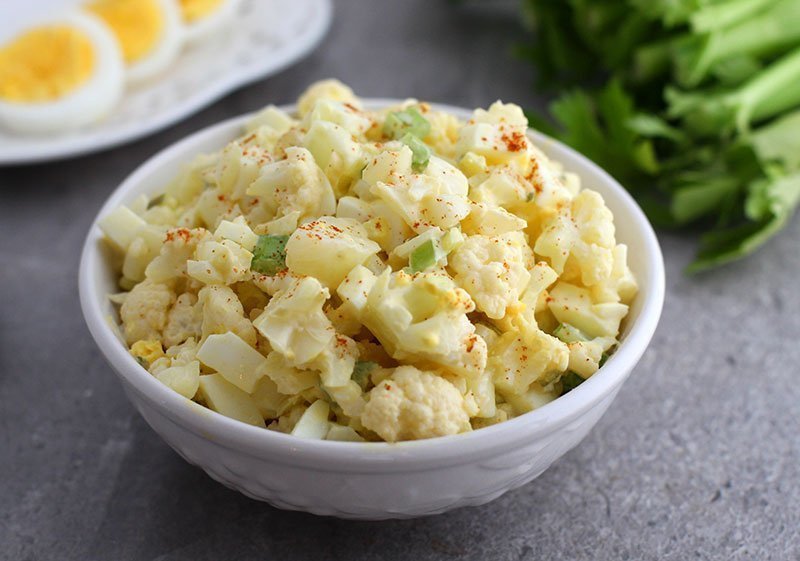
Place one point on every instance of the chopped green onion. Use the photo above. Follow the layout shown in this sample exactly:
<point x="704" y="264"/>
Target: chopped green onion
<point x="420" y="153"/>
<point x="269" y="255"/>
<point x="142" y="362"/>
<point x="423" y="257"/>
<point x="603" y="358"/>
<point x="568" y="334"/>
<point x="570" y="381"/>
<point x="530" y="196"/>
<point x="361" y="372"/>
<point x="407" y="121"/>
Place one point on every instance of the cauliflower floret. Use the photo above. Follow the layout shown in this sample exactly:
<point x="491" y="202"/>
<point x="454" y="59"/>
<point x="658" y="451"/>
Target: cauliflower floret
<point x="295" y="184"/>
<point x="184" y="320"/>
<point x="342" y="113"/>
<point x="224" y="262"/>
<point x="238" y="231"/>
<point x="272" y="284"/>
<point x="179" y="246"/>
<point x="237" y="168"/>
<point x="621" y="285"/>
<point x="444" y="130"/>
<point x="494" y="271"/>
<point x="519" y="358"/>
<point x="223" y="312"/>
<point x="188" y="184"/>
<point x="144" y="312"/>
<point x="413" y="404"/>
<point x="489" y="220"/>
<point x="435" y="197"/>
<point x="212" y="207"/>
<point x="145" y="246"/>
<point x="533" y="299"/>
<point x="499" y="135"/>
<point x="267" y="126"/>
<point x="580" y="238"/>
<point x="328" y="248"/>
<point x="177" y="355"/>
<point x="294" y="322"/>
<point x="325" y="89"/>
<point x="424" y="317"/>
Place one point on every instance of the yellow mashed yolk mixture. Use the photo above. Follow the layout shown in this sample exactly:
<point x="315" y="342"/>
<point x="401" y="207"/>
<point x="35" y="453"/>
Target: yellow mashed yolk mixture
<point x="137" y="24"/>
<point x="193" y="10"/>
<point x="45" y="64"/>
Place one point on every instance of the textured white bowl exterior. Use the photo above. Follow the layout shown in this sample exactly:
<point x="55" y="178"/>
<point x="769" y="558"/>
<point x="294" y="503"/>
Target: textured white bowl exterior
<point x="374" y="480"/>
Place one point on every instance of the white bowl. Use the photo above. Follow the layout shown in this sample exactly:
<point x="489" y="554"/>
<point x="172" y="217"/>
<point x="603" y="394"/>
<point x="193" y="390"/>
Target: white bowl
<point x="374" y="480"/>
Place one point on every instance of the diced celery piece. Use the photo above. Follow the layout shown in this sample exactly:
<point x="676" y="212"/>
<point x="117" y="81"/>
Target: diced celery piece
<point x="269" y="255"/>
<point x="407" y="121"/>
<point x="570" y="381"/>
<point x="568" y="333"/>
<point x="420" y="153"/>
<point x="361" y="372"/>
<point x="155" y="201"/>
<point x="423" y="257"/>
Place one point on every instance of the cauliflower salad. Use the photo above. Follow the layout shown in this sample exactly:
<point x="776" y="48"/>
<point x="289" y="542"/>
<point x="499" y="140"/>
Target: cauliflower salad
<point x="371" y="275"/>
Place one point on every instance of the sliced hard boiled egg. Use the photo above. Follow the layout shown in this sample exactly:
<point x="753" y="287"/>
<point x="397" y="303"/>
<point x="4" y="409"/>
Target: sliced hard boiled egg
<point x="64" y="73"/>
<point x="149" y="33"/>
<point x="202" y="18"/>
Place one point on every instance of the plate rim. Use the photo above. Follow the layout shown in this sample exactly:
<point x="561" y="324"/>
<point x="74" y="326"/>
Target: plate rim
<point x="77" y="146"/>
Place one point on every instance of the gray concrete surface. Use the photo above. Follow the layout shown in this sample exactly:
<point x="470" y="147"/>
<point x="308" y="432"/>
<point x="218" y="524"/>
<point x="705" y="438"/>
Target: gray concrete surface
<point x="697" y="458"/>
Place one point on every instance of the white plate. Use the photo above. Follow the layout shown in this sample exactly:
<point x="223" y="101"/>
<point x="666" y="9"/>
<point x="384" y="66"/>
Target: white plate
<point x="267" y="36"/>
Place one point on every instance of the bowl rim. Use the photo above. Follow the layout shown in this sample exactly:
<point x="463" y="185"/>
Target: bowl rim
<point x="372" y="456"/>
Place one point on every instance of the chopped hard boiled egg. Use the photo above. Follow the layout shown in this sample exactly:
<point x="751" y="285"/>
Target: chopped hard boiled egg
<point x="355" y="275"/>
<point x="149" y="33"/>
<point x="65" y="73"/>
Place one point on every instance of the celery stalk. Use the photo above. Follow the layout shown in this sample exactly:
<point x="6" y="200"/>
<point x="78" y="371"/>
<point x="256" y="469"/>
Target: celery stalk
<point x="765" y="34"/>
<point x="769" y="93"/>
<point x="725" y="14"/>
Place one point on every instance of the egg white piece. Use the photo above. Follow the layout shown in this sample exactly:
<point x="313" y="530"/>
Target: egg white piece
<point x="165" y="51"/>
<point x="90" y="101"/>
<point x="166" y="47"/>
<point x="212" y="23"/>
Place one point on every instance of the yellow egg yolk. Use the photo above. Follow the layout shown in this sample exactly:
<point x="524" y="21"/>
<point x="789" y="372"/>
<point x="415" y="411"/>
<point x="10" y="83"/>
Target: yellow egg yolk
<point x="138" y="24"/>
<point x="193" y="10"/>
<point x="44" y="64"/>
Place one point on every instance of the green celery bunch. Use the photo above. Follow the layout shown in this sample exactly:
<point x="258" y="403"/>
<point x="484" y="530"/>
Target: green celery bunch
<point x="699" y="116"/>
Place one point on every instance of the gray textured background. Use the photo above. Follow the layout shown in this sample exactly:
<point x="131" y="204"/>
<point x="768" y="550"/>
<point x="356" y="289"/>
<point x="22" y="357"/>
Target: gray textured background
<point x="697" y="458"/>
